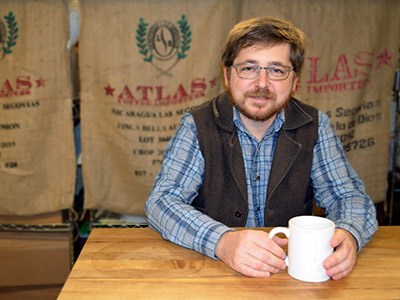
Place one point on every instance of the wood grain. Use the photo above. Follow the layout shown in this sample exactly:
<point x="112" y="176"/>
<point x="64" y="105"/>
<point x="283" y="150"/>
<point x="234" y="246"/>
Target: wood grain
<point x="122" y="263"/>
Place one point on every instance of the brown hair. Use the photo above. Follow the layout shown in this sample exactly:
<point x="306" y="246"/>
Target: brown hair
<point x="265" y="31"/>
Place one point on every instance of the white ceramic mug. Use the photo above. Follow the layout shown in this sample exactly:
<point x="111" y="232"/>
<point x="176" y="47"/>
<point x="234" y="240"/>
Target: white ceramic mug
<point x="309" y="245"/>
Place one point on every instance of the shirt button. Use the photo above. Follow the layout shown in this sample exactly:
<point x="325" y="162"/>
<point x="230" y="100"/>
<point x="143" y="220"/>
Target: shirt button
<point x="238" y="213"/>
<point x="258" y="178"/>
<point x="258" y="208"/>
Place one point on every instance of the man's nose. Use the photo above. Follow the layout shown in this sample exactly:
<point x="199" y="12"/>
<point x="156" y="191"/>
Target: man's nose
<point x="262" y="79"/>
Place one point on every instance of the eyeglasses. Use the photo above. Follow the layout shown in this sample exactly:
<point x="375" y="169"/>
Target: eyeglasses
<point x="251" y="71"/>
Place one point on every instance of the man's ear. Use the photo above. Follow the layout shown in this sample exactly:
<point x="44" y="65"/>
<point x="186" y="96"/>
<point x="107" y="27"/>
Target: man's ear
<point x="295" y="81"/>
<point x="227" y="75"/>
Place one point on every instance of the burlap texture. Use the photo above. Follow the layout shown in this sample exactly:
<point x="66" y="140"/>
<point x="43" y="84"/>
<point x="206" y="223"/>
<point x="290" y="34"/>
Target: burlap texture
<point x="37" y="156"/>
<point x="143" y="64"/>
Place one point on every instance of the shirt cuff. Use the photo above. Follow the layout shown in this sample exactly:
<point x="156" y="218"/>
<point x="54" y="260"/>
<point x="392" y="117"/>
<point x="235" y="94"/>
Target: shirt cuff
<point x="354" y="230"/>
<point x="213" y="238"/>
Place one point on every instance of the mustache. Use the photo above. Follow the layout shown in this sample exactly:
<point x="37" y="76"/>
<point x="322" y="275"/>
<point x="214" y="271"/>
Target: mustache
<point x="263" y="93"/>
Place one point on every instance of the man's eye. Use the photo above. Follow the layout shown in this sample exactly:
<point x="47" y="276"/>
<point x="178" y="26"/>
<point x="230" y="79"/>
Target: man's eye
<point x="276" y="70"/>
<point x="249" y="69"/>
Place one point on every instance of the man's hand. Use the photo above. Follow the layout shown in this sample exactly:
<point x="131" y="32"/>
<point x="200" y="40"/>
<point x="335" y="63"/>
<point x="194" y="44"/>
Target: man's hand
<point x="252" y="252"/>
<point x="342" y="261"/>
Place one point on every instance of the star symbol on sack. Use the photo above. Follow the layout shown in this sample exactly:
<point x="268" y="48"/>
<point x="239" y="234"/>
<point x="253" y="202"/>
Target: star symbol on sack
<point x="109" y="90"/>
<point x="213" y="82"/>
<point x="40" y="82"/>
<point x="384" y="59"/>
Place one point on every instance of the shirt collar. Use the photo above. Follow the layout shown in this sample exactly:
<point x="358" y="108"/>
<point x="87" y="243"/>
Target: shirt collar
<point x="275" y="127"/>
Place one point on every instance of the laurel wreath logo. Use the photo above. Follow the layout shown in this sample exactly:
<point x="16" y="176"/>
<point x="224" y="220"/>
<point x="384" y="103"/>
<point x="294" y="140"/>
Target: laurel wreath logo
<point x="142" y="43"/>
<point x="12" y="33"/>
<point x="185" y="35"/>
<point x="141" y="38"/>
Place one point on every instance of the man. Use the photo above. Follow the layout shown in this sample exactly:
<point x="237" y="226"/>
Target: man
<point x="256" y="157"/>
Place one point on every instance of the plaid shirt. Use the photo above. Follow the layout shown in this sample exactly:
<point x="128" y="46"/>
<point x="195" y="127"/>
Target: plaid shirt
<point x="336" y="185"/>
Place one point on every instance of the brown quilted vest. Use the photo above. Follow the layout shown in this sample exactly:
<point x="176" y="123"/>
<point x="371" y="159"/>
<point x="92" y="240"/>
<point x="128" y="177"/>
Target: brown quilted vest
<point x="223" y="195"/>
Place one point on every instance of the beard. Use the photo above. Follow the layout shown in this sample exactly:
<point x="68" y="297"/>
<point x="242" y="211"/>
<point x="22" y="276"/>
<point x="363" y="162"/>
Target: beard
<point x="260" y="115"/>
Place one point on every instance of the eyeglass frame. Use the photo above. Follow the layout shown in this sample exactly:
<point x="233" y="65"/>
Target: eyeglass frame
<point x="266" y="71"/>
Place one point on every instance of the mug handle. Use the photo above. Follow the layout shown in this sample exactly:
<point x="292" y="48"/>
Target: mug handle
<point x="286" y="232"/>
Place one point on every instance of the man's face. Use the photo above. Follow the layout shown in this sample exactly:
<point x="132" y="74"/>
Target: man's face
<point x="260" y="99"/>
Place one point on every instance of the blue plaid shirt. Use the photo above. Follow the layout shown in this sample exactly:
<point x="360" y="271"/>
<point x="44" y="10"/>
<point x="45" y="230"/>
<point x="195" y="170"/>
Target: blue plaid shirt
<point x="336" y="185"/>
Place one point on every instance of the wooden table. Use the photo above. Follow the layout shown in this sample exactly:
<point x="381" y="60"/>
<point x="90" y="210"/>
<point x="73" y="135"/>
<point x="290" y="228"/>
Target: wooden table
<point x="123" y="263"/>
